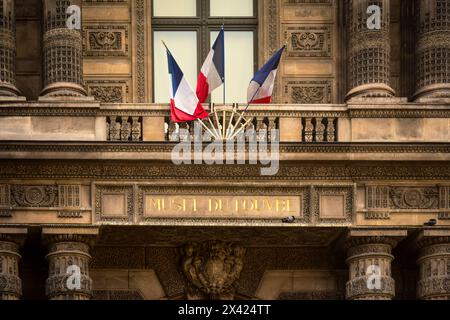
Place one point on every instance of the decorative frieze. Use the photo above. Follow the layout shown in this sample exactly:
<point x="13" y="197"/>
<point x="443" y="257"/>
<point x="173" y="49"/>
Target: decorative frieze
<point x="114" y="91"/>
<point x="34" y="196"/>
<point x="414" y="198"/>
<point x="212" y="269"/>
<point x="307" y="91"/>
<point x="308" y="41"/>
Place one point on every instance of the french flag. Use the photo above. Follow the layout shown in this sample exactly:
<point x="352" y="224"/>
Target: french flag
<point x="184" y="104"/>
<point x="212" y="73"/>
<point x="261" y="87"/>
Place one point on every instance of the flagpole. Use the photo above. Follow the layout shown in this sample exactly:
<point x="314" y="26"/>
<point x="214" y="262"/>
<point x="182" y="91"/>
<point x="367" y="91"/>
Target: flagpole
<point x="224" y="78"/>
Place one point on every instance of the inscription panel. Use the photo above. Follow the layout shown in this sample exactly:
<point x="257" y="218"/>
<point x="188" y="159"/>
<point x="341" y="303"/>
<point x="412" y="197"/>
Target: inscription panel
<point x="262" y="207"/>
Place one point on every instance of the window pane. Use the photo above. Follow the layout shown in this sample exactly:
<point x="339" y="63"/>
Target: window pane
<point x="239" y="60"/>
<point x="175" y="8"/>
<point x="231" y="8"/>
<point x="183" y="45"/>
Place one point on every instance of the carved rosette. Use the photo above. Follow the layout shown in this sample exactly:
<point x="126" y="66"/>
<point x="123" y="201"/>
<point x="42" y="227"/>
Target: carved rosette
<point x="433" y="49"/>
<point x="8" y="49"/>
<point x="434" y="262"/>
<point x="212" y="269"/>
<point x="369" y="51"/>
<point x="363" y="253"/>
<point x="63" y="55"/>
<point x="10" y="283"/>
<point x="66" y="251"/>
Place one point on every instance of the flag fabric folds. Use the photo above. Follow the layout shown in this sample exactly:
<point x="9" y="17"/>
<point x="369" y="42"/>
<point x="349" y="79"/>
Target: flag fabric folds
<point x="212" y="73"/>
<point x="261" y="86"/>
<point x="184" y="104"/>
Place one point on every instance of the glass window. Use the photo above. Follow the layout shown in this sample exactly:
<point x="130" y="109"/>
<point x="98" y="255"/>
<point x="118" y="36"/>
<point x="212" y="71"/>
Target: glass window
<point x="183" y="45"/>
<point x="231" y="8"/>
<point x="239" y="66"/>
<point x="174" y="8"/>
<point x="189" y="27"/>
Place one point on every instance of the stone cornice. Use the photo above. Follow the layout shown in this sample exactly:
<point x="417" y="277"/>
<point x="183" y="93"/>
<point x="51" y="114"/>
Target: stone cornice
<point x="355" y="110"/>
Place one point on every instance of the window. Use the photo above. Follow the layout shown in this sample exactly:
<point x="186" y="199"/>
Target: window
<point x="189" y="28"/>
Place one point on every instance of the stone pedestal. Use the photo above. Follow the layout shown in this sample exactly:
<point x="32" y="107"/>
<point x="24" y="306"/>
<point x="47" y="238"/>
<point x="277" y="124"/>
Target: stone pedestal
<point x="8" y="50"/>
<point x="68" y="261"/>
<point x="434" y="263"/>
<point x="432" y="49"/>
<point x="63" y="56"/>
<point x="369" y="51"/>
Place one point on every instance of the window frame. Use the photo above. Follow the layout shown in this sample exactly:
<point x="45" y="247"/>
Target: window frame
<point x="203" y="24"/>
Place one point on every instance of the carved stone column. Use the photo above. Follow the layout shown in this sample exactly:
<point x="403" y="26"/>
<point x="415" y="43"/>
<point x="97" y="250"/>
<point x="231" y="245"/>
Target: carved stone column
<point x="10" y="282"/>
<point x="63" y="55"/>
<point x="369" y="51"/>
<point x="8" y="49"/>
<point x="369" y="259"/>
<point x="434" y="263"/>
<point x="433" y="49"/>
<point x="68" y="261"/>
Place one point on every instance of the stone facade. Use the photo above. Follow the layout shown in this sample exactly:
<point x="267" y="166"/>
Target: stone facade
<point x="92" y="207"/>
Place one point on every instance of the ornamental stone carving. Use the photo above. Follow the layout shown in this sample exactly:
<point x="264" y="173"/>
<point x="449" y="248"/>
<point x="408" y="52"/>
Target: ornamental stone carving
<point x="34" y="196"/>
<point x="369" y="51"/>
<point x="414" y="198"/>
<point x="63" y="57"/>
<point x="212" y="269"/>
<point x="432" y="49"/>
<point x="8" y="49"/>
<point x="434" y="263"/>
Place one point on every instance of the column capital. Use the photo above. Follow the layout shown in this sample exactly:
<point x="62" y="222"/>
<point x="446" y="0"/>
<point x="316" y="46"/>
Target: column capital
<point x="16" y="235"/>
<point x="87" y="235"/>
<point x="362" y="236"/>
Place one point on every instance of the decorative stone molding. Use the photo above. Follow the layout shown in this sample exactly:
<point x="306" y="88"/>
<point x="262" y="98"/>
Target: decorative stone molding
<point x="8" y="49"/>
<point x="34" y="196"/>
<point x="432" y="49"/>
<point x="212" y="269"/>
<point x="367" y="248"/>
<point x="10" y="282"/>
<point x="434" y="262"/>
<point x="369" y="51"/>
<point x="66" y="251"/>
<point x="63" y="57"/>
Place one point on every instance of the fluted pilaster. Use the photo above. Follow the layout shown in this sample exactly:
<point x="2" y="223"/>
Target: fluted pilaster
<point x="433" y="49"/>
<point x="68" y="261"/>
<point x="369" y="51"/>
<point x="8" y="49"/>
<point x="63" y="56"/>
<point x="434" y="264"/>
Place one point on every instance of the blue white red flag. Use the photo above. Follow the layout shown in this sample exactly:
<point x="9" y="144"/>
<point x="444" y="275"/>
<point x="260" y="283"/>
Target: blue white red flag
<point x="212" y="73"/>
<point x="184" y="104"/>
<point x="261" y="87"/>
